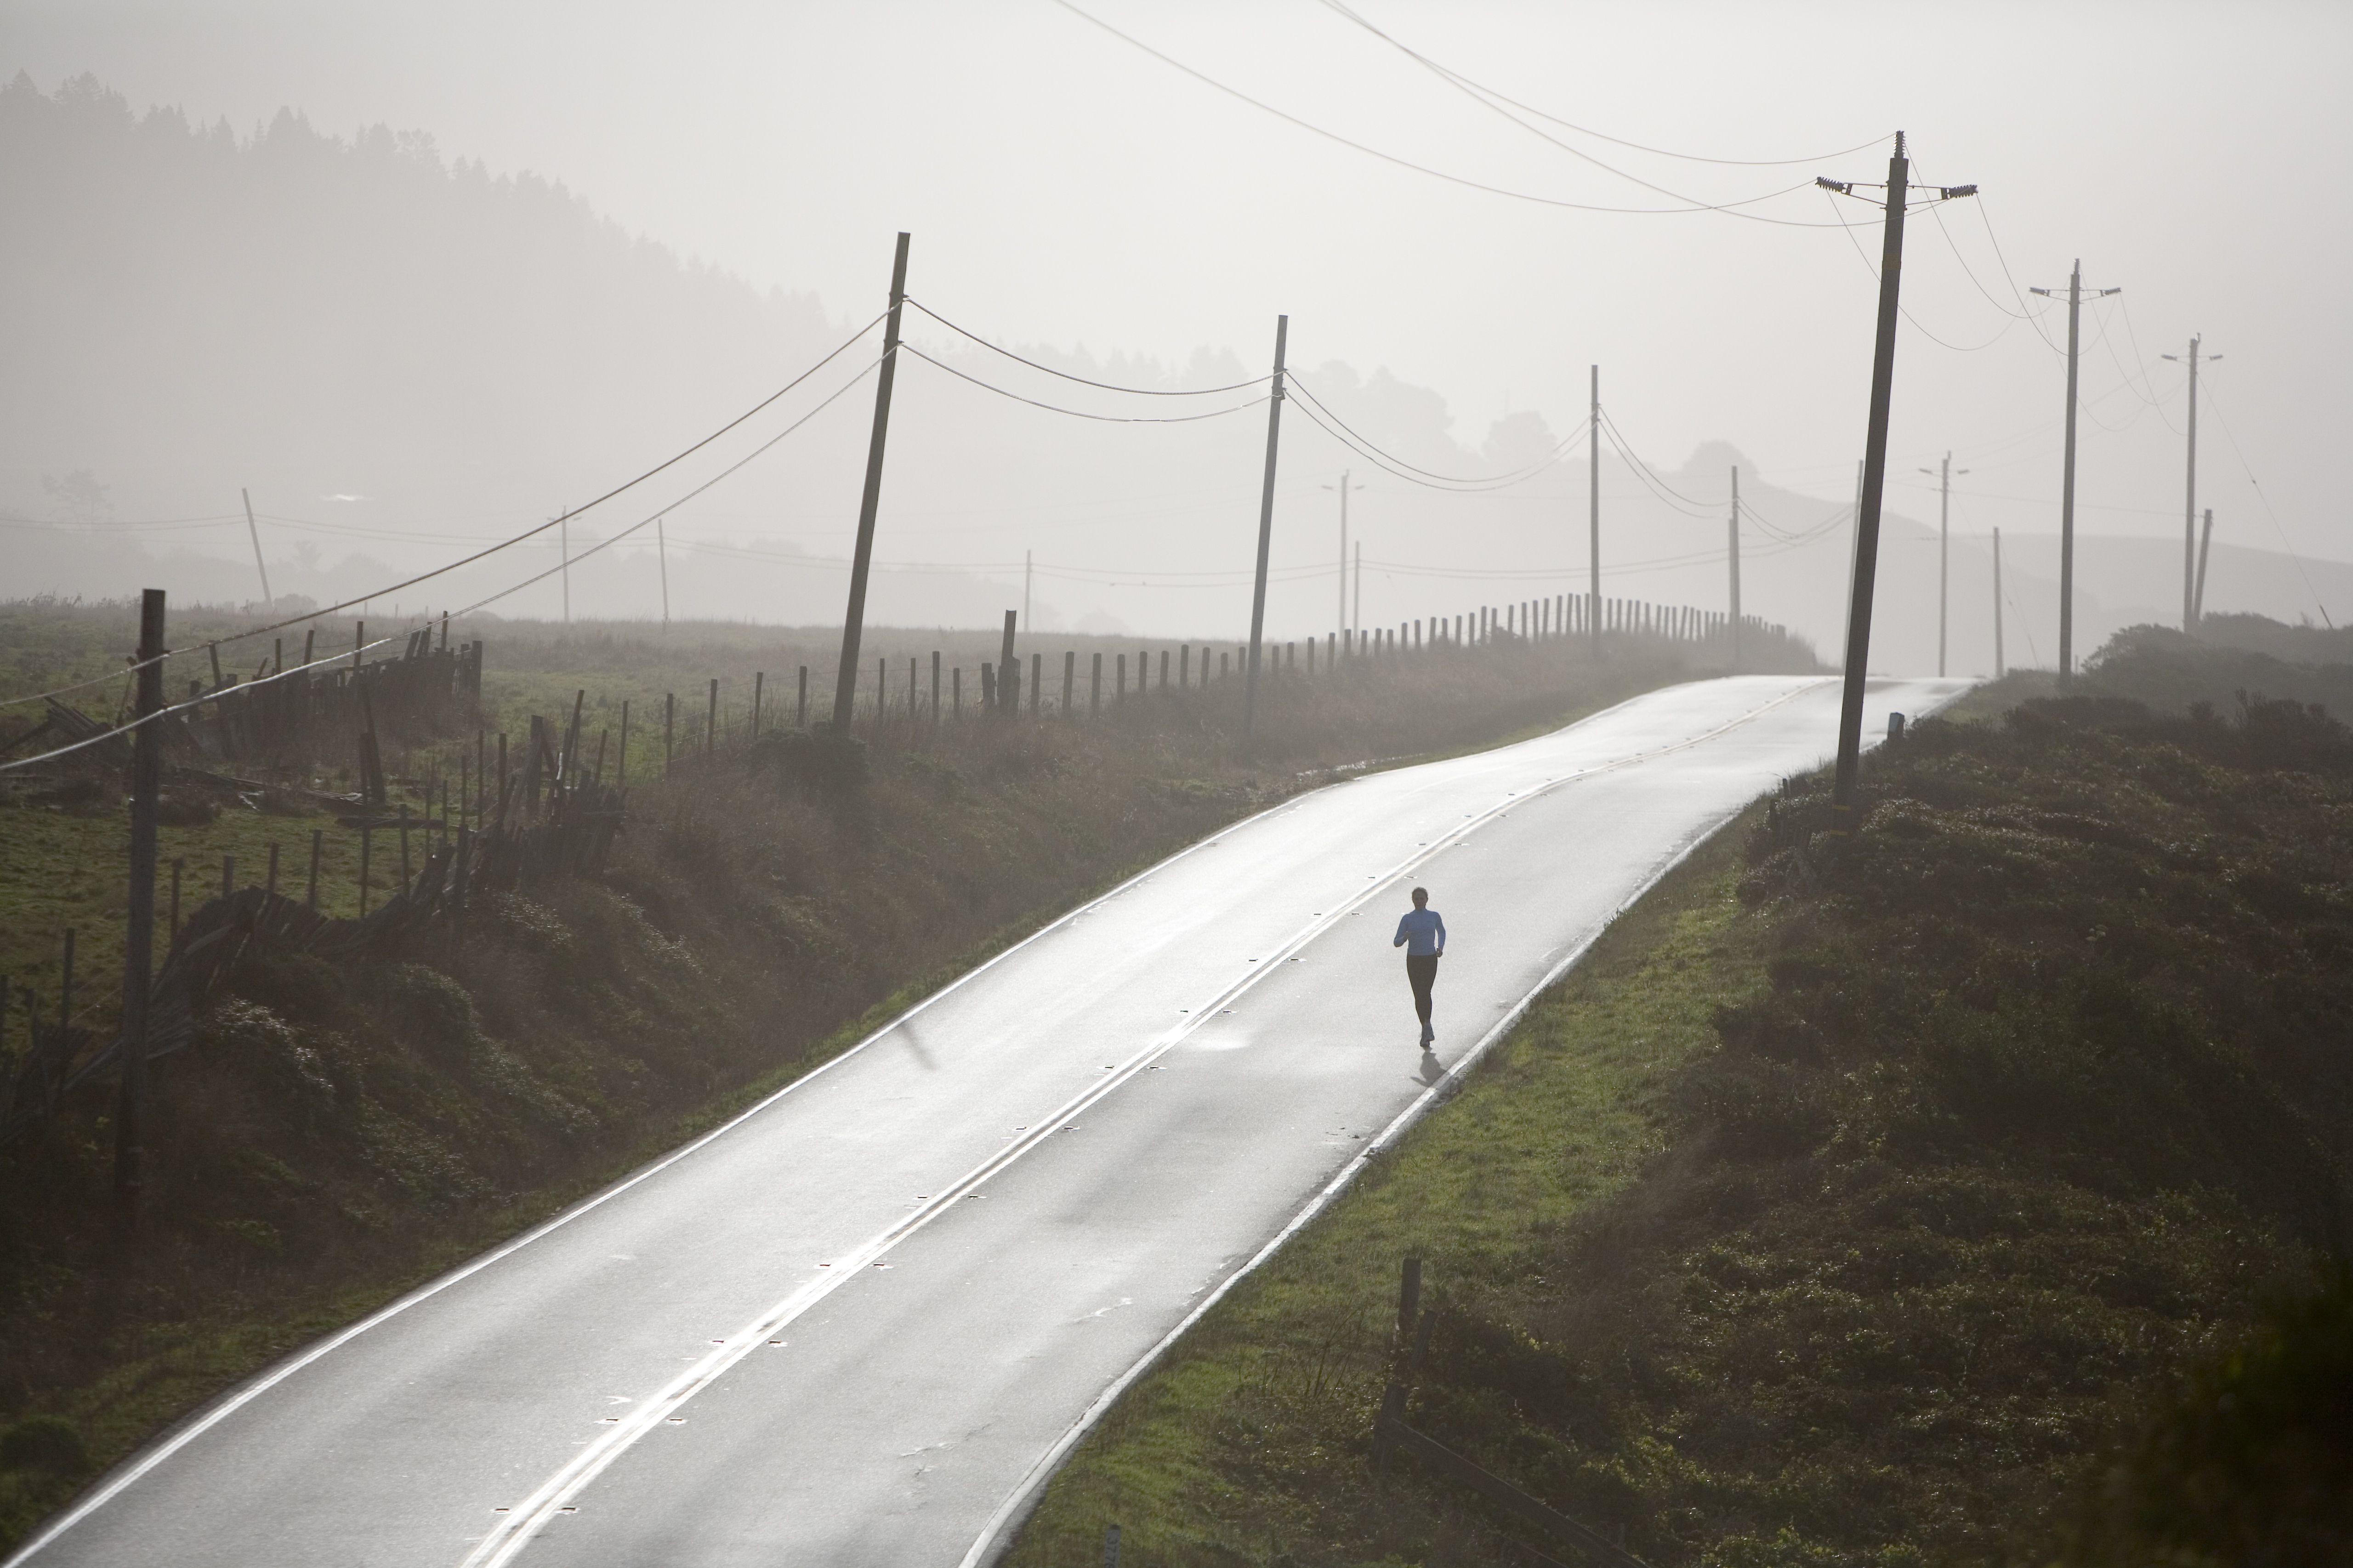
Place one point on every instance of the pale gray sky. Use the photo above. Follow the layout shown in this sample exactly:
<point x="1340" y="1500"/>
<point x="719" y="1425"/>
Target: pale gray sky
<point x="1064" y="188"/>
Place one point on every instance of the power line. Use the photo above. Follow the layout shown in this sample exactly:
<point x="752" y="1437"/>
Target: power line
<point x="1643" y="471"/>
<point x="1600" y="135"/>
<point x="109" y="734"/>
<point x="1489" y="100"/>
<point x="648" y="520"/>
<point x="1065" y="375"/>
<point x="1364" y="445"/>
<point x="1076" y="412"/>
<point x="1959" y="348"/>
<point x="1423" y="168"/>
<point x="517" y="539"/>
<point x="2253" y="484"/>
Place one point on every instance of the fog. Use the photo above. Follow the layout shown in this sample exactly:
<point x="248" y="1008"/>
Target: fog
<point x="416" y="279"/>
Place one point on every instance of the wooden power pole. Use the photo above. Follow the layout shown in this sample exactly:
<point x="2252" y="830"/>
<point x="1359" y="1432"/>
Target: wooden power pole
<point x="1732" y="540"/>
<point x="1265" y="530"/>
<point x="139" y="933"/>
<point x="853" y="620"/>
<point x="2067" y="472"/>
<point x="1875" y="477"/>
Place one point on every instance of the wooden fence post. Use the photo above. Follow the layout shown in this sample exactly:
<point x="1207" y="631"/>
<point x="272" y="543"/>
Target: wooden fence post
<point x="1069" y="681"/>
<point x="1409" y="1297"/>
<point x="935" y="688"/>
<point x="1095" y="701"/>
<point x="711" y="724"/>
<point x="759" y="680"/>
<point x="956" y="686"/>
<point x="270" y="886"/>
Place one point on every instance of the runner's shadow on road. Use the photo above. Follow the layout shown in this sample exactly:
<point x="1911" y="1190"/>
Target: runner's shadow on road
<point x="1433" y="1069"/>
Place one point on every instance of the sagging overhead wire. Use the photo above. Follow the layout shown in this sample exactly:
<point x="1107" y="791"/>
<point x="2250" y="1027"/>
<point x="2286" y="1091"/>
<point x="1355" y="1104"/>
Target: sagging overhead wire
<point x="1649" y="476"/>
<point x="2253" y="484"/>
<point x="478" y="603"/>
<point x="1082" y="381"/>
<point x="1458" y="77"/>
<point x="1078" y="413"/>
<point x="1494" y="102"/>
<point x="491" y="550"/>
<point x="1868" y="267"/>
<point x="183" y="707"/>
<point x="1464" y="181"/>
<point x="651" y="518"/>
<point x="1311" y="405"/>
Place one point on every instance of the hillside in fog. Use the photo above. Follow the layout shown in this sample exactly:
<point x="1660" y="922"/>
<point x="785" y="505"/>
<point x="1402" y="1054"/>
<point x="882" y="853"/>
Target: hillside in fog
<point x="402" y="354"/>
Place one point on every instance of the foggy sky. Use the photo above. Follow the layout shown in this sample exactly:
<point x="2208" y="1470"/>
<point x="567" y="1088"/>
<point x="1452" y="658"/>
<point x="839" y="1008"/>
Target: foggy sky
<point x="1065" y="190"/>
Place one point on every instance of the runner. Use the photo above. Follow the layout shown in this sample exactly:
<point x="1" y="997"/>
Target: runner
<point x="1423" y="936"/>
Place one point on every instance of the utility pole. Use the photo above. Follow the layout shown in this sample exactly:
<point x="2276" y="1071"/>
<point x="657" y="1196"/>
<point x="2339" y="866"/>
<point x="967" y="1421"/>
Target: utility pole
<point x="139" y="935"/>
<point x="1944" y="551"/>
<point x="1265" y="530"/>
<point x="1731" y="538"/>
<point x="853" y="621"/>
<point x="1344" y="487"/>
<point x="1999" y="672"/>
<point x="662" y="553"/>
<point x="1593" y="513"/>
<point x="1357" y="628"/>
<point x="256" y="532"/>
<point x="2205" y="543"/>
<point x="1874" y="481"/>
<point x="2189" y="499"/>
<point x="2067" y="470"/>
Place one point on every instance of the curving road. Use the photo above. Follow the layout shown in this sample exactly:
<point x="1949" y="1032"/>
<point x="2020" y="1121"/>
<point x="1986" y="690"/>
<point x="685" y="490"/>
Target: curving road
<point x="860" y="1323"/>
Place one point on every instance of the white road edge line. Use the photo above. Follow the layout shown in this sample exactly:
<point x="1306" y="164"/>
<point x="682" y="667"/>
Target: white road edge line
<point x="516" y="1531"/>
<point x="995" y="1536"/>
<point x="230" y="1402"/>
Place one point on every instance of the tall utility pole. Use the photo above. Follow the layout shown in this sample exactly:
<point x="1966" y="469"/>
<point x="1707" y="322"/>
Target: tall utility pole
<point x="139" y="934"/>
<point x="2205" y="543"/>
<point x="662" y="553"/>
<point x="1265" y="530"/>
<point x="256" y="532"/>
<point x="1944" y="550"/>
<point x="1593" y="513"/>
<point x="1731" y="538"/>
<point x="2189" y="497"/>
<point x="1874" y="480"/>
<point x="853" y="620"/>
<point x="1999" y="672"/>
<point x="1344" y="487"/>
<point x="2067" y="471"/>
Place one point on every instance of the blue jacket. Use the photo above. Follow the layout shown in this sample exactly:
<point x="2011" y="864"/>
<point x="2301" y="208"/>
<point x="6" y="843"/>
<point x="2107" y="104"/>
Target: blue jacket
<point x="1421" y="933"/>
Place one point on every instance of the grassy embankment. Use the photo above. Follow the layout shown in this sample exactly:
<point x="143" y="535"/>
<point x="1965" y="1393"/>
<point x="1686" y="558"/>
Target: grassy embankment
<point x="340" y="1133"/>
<point x="1852" y="1209"/>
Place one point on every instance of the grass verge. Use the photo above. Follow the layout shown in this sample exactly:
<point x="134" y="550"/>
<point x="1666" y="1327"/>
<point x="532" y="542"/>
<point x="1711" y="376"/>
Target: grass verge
<point x="1853" y="1202"/>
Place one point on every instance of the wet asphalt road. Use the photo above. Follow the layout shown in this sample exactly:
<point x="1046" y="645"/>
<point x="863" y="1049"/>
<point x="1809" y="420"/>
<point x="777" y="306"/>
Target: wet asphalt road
<point x="856" y="1325"/>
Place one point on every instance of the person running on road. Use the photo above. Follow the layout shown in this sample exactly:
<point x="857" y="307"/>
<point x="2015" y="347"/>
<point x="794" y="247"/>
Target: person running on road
<point x="1422" y="934"/>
